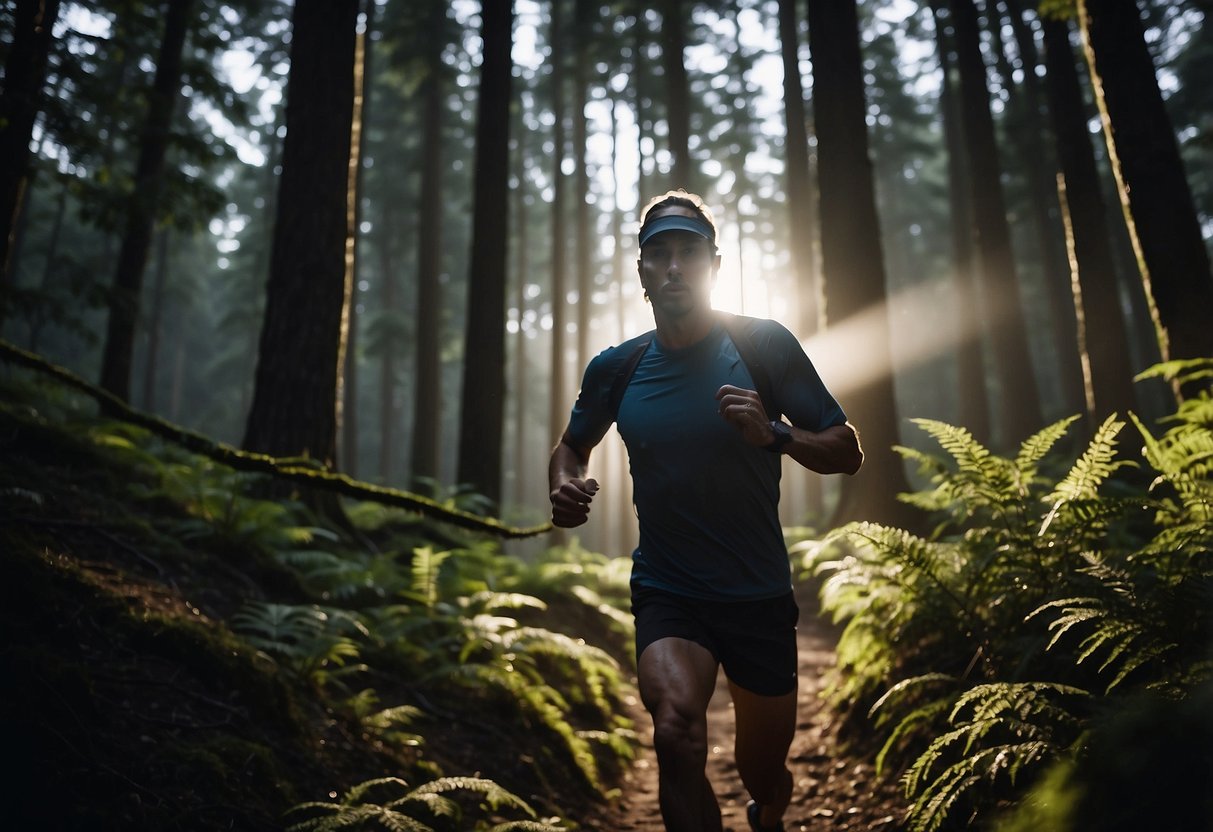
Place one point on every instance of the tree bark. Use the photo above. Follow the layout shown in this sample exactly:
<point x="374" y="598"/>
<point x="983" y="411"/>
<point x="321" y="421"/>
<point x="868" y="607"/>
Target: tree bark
<point x="20" y="102"/>
<point x="583" y="11"/>
<point x="558" y="404"/>
<point x="1108" y="370"/>
<point x="972" y="396"/>
<point x="852" y="258"/>
<point x="294" y="410"/>
<point x="348" y="417"/>
<point x="427" y="399"/>
<point x="38" y="319"/>
<point x="522" y="454"/>
<point x="1155" y="196"/>
<point x="1018" y="394"/>
<point x="798" y="185"/>
<point x="1034" y="156"/>
<point x="482" y="412"/>
<point x="155" y="322"/>
<point x="677" y="93"/>
<point x="388" y="412"/>
<point x="638" y="105"/>
<point x="143" y="203"/>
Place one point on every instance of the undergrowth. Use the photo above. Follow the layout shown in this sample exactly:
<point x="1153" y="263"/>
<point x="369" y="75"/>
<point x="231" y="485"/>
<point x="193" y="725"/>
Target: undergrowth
<point x="999" y="652"/>
<point x="416" y="653"/>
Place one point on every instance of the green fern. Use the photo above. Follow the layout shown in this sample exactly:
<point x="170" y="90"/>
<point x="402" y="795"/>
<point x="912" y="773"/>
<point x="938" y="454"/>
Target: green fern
<point x="1034" y="449"/>
<point x="1180" y="371"/>
<point x="915" y="708"/>
<point x="1089" y="472"/>
<point x="311" y="640"/>
<point x="1002" y="731"/>
<point x="405" y="809"/>
<point x="541" y="706"/>
<point x="425" y="567"/>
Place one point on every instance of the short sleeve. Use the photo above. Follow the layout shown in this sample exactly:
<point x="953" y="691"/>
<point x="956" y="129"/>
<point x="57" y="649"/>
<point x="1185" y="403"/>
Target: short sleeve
<point x="591" y="417"/>
<point x="798" y="388"/>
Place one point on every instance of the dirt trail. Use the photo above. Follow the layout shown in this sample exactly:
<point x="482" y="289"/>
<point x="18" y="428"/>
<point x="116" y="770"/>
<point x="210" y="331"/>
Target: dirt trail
<point x="833" y="791"/>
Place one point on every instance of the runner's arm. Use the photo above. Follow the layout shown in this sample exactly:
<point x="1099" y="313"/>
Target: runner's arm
<point x="569" y="490"/>
<point x="835" y="450"/>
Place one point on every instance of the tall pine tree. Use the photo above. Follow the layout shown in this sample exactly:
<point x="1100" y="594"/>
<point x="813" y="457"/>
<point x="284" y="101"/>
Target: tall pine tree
<point x="483" y="405"/>
<point x="294" y="410"/>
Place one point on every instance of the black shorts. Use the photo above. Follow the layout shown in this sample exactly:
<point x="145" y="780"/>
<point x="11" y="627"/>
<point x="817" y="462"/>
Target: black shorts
<point x="755" y="641"/>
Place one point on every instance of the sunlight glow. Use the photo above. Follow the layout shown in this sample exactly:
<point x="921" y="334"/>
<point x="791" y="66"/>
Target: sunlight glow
<point x="843" y="353"/>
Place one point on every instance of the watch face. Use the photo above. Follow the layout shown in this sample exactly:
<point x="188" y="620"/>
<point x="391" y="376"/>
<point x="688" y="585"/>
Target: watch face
<point x="783" y="435"/>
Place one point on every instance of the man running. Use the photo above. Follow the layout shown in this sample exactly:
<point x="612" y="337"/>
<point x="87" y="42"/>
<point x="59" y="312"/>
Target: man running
<point x="711" y="582"/>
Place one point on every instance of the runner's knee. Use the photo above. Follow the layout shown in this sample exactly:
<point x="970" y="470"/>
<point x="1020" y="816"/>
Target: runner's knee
<point x="679" y="732"/>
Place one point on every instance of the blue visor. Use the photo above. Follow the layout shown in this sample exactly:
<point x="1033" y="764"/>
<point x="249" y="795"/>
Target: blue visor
<point x="675" y="222"/>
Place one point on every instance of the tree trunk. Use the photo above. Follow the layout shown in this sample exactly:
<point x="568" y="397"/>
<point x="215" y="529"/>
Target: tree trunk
<point x="38" y="320"/>
<point x="638" y="106"/>
<point x="1107" y="368"/>
<point x="143" y="203"/>
<point x="263" y="252"/>
<point x="1155" y="195"/>
<point x="522" y="453"/>
<point x="852" y="260"/>
<point x="155" y="322"/>
<point x="294" y="410"/>
<point x="559" y="404"/>
<point x="799" y="187"/>
<point x="1018" y="396"/>
<point x="24" y="77"/>
<point x="1035" y="158"/>
<point x="583" y="9"/>
<point x="348" y="417"/>
<point x="482" y="412"/>
<point x="615" y="464"/>
<point x="427" y="399"/>
<point x="388" y="412"/>
<point x="677" y="93"/>
<point x="804" y="486"/>
<point x="973" y="399"/>
<point x="10" y="275"/>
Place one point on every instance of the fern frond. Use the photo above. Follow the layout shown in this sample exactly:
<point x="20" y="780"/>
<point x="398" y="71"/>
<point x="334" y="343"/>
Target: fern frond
<point x="488" y="601"/>
<point x="968" y="453"/>
<point x="437" y="804"/>
<point x="356" y="794"/>
<point x="279" y="628"/>
<point x="1095" y="465"/>
<point x="526" y="826"/>
<point x="535" y="699"/>
<point x="1025" y="700"/>
<point x="1034" y="448"/>
<point x="894" y="694"/>
<point x="424" y="569"/>
<point x="1179" y="370"/>
<point x="592" y="599"/>
<point x="1074" y="611"/>
<point x="400" y="715"/>
<point x="494" y="795"/>
<point x="933" y="809"/>
<point x="925" y="716"/>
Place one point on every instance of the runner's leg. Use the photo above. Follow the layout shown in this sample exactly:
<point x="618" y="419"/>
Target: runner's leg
<point x="765" y="725"/>
<point x="677" y="678"/>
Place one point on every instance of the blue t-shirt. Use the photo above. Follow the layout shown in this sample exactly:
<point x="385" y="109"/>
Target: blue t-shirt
<point x="707" y="500"/>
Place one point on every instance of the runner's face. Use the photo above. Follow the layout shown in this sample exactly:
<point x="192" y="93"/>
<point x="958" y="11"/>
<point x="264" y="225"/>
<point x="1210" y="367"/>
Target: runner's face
<point x="678" y="269"/>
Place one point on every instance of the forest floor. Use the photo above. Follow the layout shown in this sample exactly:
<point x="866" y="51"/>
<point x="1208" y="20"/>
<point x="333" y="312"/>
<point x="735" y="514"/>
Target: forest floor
<point x="138" y="709"/>
<point x="835" y="789"/>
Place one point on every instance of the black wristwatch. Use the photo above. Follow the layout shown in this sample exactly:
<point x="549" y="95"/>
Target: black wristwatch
<point x="783" y="435"/>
